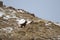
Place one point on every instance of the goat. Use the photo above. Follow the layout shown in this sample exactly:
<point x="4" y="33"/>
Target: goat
<point x="22" y="22"/>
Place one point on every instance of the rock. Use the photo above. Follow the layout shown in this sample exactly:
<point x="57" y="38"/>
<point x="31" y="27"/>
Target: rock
<point x="1" y="14"/>
<point x="10" y="7"/>
<point x="32" y="15"/>
<point x="20" y="10"/>
<point x="7" y="29"/>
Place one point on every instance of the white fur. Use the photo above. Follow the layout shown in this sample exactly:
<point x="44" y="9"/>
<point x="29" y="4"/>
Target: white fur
<point x="28" y="21"/>
<point x="21" y="21"/>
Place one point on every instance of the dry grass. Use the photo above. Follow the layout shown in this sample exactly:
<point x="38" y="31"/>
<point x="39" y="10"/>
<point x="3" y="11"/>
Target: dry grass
<point x="34" y="31"/>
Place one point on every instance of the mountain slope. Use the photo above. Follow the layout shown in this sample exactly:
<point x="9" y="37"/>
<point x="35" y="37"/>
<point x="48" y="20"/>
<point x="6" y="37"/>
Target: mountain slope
<point x="35" y="28"/>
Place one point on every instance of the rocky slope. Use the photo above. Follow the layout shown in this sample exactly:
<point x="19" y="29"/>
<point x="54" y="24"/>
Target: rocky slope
<point x="35" y="28"/>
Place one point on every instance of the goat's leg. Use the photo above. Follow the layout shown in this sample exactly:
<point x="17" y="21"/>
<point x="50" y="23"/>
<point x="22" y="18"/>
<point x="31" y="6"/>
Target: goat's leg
<point x="21" y="25"/>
